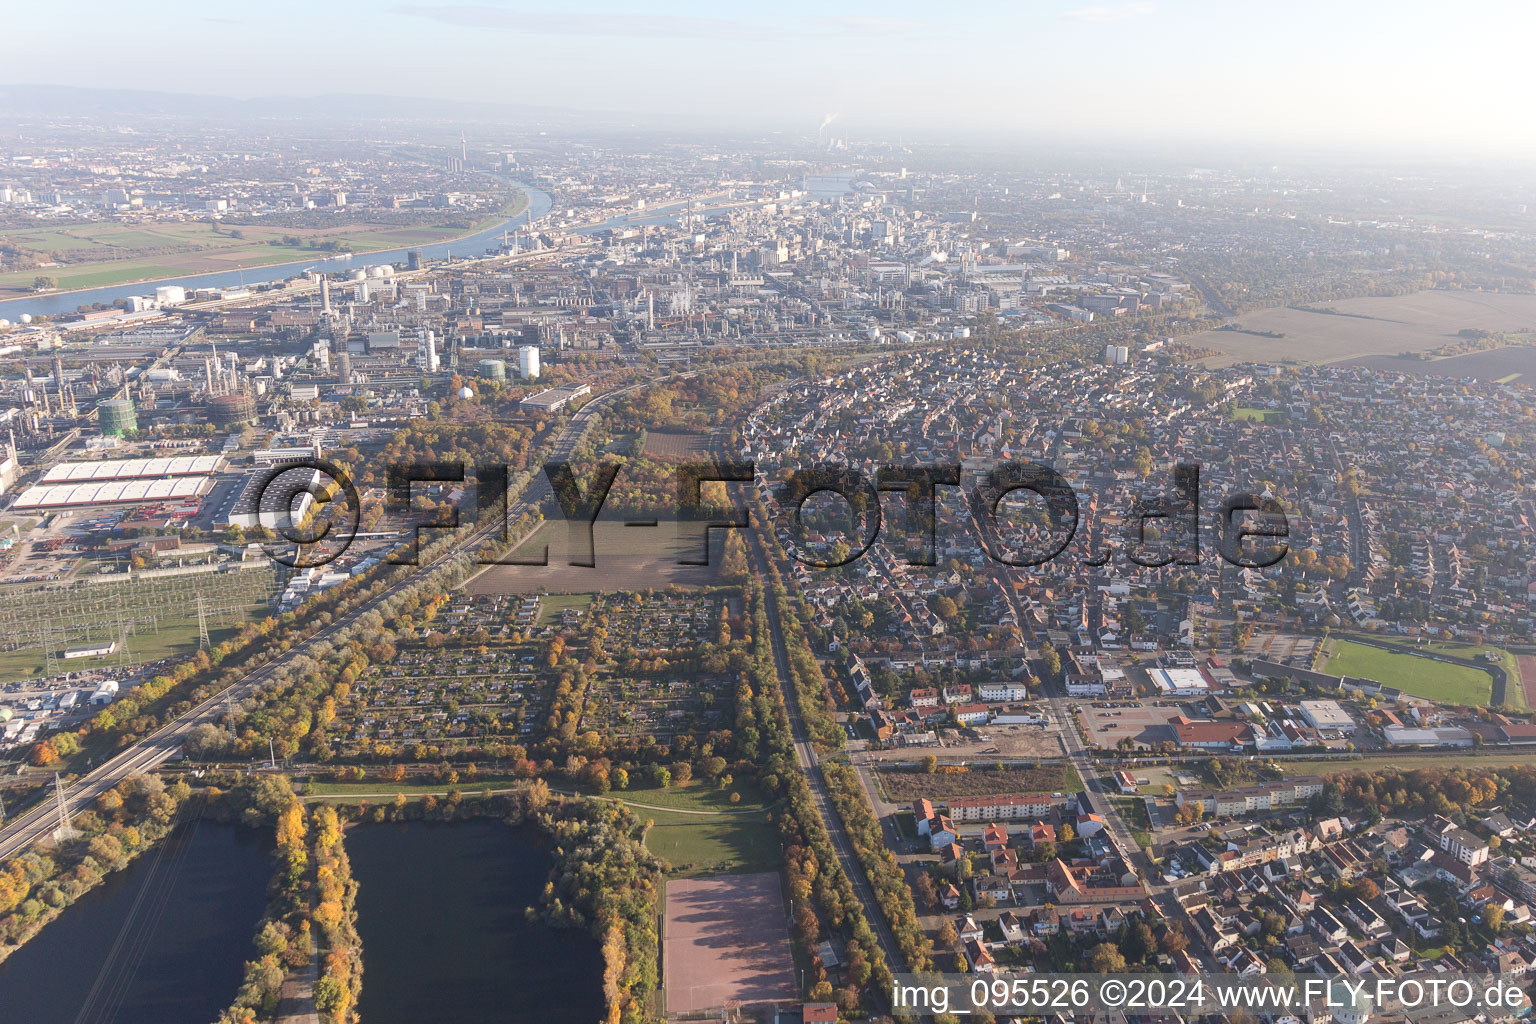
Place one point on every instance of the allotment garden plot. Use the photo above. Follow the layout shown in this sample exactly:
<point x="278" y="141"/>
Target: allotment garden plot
<point x="659" y="690"/>
<point x="497" y="670"/>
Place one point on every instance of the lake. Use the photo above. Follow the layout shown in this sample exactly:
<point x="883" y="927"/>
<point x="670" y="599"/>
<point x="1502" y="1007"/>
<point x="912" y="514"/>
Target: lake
<point x="163" y="941"/>
<point x="440" y="913"/>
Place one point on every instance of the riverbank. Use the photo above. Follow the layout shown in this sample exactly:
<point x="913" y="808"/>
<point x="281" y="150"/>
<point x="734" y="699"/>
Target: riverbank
<point x="228" y="252"/>
<point x="536" y="203"/>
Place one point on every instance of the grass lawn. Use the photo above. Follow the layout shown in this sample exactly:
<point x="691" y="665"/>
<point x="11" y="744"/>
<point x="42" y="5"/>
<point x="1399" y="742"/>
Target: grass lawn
<point x="739" y="840"/>
<point x="1156" y="778"/>
<point x="1071" y="781"/>
<point x="706" y="845"/>
<point x="1253" y="415"/>
<point x="1410" y="673"/>
<point x="175" y="637"/>
<point x="698" y="795"/>
<point x="552" y="605"/>
<point x="408" y="785"/>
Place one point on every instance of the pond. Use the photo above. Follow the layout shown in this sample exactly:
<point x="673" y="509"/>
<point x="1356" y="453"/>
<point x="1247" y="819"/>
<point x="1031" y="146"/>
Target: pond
<point x="163" y="941"/>
<point x="440" y="913"/>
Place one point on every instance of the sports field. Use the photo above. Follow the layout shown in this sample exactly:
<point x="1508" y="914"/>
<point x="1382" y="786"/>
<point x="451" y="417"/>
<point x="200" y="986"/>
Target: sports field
<point x="1411" y="673"/>
<point x="725" y="940"/>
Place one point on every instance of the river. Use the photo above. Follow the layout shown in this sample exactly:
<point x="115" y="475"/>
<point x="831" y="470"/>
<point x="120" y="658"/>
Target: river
<point x="440" y="913"/>
<point x="539" y="203"/>
<point x="163" y="941"/>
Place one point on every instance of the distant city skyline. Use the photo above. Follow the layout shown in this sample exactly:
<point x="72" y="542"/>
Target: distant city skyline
<point x="1408" y="77"/>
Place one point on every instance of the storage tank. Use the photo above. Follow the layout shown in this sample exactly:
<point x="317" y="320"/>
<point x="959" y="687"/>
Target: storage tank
<point x="116" y="417"/>
<point x="381" y="270"/>
<point x="493" y="369"/>
<point x="528" y="362"/>
<point x="230" y="410"/>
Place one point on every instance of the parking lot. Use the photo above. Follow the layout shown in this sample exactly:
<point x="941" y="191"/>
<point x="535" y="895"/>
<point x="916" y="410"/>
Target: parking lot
<point x="1146" y="725"/>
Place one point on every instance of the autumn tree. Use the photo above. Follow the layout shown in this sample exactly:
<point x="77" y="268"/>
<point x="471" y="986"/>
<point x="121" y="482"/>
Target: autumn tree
<point x="1106" y="958"/>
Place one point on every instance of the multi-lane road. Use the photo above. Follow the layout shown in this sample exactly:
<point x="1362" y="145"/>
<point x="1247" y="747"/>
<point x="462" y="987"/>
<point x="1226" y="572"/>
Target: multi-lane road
<point x="154" y="750"/>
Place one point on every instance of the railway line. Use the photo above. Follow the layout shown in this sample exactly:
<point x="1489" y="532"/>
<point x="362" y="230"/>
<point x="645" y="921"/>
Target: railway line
<point x="41" y="821"/>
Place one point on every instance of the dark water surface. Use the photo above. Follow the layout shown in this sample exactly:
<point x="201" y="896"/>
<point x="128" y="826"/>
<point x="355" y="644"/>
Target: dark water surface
<point x="163" y="941"/>
<point x="445" y="941"/>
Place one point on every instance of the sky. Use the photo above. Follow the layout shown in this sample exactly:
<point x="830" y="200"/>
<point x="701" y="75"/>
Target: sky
<point x="1433" y="78"/>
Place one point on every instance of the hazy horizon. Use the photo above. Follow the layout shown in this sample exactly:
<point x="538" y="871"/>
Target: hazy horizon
<point x="1396" y="79"/>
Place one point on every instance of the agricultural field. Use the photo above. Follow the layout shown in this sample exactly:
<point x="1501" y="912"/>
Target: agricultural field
<point x="904" y="786"/>
<point x="626" y="557"/>
<point x="1500" y="365"/>
<point x="1359" y="328"/>
<point x="1420" y="676"/>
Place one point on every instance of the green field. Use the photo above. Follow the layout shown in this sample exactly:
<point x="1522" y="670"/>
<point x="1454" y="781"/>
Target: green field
<point x="1134" y="813"/>
<point x="1253" y="415"/>
<point x="1515" y="695"/>
<point x="552" y="606"/>
<point x="161" y="614"/>
<point x="111" y="253"/>
<point x="175" y="638"/>
<point x="705" y="833"/>
<point x="1422" y="677"/>
<point x="698" y="795"/>
<point x="703" y="845"/>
